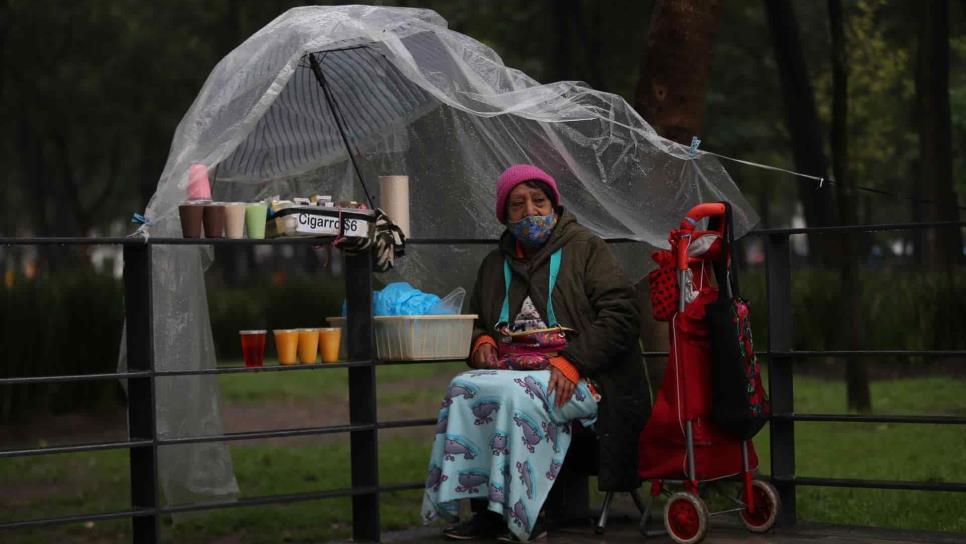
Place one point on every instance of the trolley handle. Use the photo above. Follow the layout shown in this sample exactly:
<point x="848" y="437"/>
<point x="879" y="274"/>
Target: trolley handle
<point x="699" y="212"/>
<point x="686" y="231"/>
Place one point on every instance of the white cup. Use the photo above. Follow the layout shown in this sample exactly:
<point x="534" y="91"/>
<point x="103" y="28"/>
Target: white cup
<point x="235" y="219"/>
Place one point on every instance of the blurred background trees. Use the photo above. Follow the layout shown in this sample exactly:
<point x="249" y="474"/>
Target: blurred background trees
<point x="94" y="90"/>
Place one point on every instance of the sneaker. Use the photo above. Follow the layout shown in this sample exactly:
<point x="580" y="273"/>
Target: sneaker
<point x="539" y="532"/>
<point x="483" y="525"/>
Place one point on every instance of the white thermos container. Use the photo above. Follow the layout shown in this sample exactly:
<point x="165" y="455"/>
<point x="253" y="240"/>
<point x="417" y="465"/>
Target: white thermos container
<point x="394" y="200"/>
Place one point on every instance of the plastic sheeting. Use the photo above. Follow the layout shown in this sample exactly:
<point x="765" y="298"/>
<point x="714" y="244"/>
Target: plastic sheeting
<point x="415" y="98"/>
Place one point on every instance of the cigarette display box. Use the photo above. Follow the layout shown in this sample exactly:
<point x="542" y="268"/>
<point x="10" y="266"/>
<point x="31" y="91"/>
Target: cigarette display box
<point x="308" y="221"/>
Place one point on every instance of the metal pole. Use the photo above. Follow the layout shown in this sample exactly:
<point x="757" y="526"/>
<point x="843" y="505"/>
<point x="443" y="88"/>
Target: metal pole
<point x="320" y="77"/>
<point x="689" y="439"/>
<point x="780" y="373"/>
<point x="362" y="396"/>
<point x="138" y="311"/>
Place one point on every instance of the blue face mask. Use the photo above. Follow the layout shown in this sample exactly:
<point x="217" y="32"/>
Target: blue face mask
<point x="533" y="230"/>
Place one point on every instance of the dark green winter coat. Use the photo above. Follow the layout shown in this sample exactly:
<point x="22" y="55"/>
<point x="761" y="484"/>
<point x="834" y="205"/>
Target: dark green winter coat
<point x="593" y="297"/>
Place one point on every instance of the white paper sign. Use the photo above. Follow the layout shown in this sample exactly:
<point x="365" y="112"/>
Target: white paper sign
<point x="329" y="226"/>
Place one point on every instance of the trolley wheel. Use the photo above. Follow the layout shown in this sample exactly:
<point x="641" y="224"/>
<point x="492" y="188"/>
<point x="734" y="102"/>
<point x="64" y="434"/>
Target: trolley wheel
<point x="767" y="505"/>
<point x="685" y="518"/>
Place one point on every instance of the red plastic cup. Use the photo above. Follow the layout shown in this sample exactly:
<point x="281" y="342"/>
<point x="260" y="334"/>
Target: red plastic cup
<point x="253" y="347"/>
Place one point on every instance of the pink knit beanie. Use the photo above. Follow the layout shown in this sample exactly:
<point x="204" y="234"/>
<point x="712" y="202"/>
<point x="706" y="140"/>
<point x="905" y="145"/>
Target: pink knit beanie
<point x="515" y="175"/>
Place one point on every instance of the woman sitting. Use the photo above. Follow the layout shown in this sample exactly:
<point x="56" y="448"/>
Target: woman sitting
<point x="555" y="342"/>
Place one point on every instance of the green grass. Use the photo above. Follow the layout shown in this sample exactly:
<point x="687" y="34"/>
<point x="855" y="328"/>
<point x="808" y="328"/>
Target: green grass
<point x="877" y="451"/>
<point x="98" y="482"/>
<point x="55" y="485"/>
<point x="311" y="384"/>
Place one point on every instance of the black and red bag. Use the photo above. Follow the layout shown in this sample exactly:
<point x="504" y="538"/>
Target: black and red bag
<point x="663" y="286"/>
<point x="739" y="403"/>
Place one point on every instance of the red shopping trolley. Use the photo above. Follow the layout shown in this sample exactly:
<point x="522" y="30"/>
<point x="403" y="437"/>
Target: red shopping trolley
<point x="682" y="442"/>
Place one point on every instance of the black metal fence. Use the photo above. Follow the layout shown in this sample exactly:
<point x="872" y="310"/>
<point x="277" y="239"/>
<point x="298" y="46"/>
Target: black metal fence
<point x="781" y="361"/>
<point x="143" y="440"/>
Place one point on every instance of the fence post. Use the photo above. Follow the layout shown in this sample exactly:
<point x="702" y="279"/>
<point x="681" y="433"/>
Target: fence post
<point x="138" y="313"/>
<point x="780" y="373"/>
<point x="363" y="445"/>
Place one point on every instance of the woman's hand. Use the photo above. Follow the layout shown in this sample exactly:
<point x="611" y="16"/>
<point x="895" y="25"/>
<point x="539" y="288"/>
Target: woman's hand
<point x="561" y="385"/>
<point x="484" y="356"/>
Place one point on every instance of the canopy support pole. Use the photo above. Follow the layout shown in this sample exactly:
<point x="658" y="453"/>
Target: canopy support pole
<point x="320" y="77"/>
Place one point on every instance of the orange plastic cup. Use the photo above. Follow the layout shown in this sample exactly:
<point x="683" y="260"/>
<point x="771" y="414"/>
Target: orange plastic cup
<point x="329" y="339"/>
<point x="308" y="346"/>
<point x="286" y="345"/>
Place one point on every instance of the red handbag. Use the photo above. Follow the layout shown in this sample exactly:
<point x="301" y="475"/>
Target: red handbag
<point x="663" y="283"/>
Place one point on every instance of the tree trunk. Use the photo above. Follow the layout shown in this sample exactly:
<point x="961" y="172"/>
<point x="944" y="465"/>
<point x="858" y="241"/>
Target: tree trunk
<point x="670" y="96"/>
<point x="34" y="175"/>
<point x="801" y="117"/>
<point x="943" y="247"/>
<point x="9" y="224"/>
<point x="856" y="378"/>
<point x="563" y="57"/>
<point x="675" y="65"/>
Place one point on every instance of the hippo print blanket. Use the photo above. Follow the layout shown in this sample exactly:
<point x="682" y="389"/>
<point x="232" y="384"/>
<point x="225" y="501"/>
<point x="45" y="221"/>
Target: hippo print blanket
<point x="500" y="436"/>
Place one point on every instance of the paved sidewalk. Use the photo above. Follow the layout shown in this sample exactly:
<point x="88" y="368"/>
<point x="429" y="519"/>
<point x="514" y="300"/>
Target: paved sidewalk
<point x="721" y="532"/>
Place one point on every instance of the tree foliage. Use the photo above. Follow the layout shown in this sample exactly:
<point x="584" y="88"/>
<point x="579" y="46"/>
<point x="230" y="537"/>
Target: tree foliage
<point x="94" y="90"/>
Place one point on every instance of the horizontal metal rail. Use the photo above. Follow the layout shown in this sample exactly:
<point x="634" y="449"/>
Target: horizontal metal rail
<point x="70" y="241"/>
<point x="240" y="503"/>
<point x="841" y="353"/>
<point x="73" y="378"/>
<point x="873" y="484"/>
<point x="290" y="497"/>
<point x="77" y="448"/>
<point x="291" y="368"/>
<point x="138" y="240"/>
<point x="394" y="488"/>
<point x="405" y="423"/>
<point x="301" y="431"/>
<point x="862" y="353"/>
<point x="80" y="518"/>
<point x="26" y="380"/>
<point x="226" y="437"/>
<point x="858" y="228"/>
<point x="267" y="368"/>
<point x="925" y="420"/>
<point x="353" y="364"/>
<point x="254" y="435"/>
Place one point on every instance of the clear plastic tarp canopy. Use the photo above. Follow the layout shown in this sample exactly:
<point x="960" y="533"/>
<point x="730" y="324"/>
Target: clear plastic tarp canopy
<point x="411" y="97"/>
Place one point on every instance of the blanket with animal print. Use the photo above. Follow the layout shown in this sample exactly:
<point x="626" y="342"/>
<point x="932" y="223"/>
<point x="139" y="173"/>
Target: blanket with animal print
<point x="500" y="436"/>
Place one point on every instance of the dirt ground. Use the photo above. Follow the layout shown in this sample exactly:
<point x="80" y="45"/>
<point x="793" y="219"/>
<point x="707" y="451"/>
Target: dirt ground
<point x="42" y="430"/>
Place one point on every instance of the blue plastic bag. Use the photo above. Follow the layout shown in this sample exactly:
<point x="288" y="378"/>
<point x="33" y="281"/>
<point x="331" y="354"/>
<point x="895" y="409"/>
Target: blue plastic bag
<point x="401" y="298"/>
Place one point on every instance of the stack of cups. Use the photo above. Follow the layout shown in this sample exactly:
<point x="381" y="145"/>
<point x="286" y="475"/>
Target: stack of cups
<point x="200" y="216"/>
<point x="199" y="211"/>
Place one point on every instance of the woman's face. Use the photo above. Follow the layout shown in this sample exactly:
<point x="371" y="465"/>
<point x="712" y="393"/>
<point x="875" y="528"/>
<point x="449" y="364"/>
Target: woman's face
<point x="525" y="202"/>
